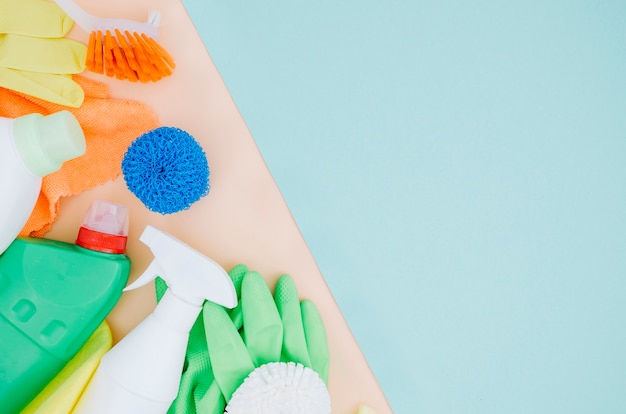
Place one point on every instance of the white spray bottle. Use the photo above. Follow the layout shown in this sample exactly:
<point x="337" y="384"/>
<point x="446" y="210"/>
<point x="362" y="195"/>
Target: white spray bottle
<point x="141" y="374"/>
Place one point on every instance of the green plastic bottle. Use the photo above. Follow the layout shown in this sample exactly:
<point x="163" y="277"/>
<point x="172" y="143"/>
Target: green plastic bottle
<point x="53" y="296"/>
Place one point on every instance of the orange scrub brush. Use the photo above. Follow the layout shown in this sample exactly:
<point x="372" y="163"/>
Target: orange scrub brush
<point x="120" y="48"/>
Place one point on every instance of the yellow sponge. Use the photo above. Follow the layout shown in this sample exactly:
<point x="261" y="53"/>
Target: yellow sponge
<point x="64" y="391"/>
<point x="364" y="409"/>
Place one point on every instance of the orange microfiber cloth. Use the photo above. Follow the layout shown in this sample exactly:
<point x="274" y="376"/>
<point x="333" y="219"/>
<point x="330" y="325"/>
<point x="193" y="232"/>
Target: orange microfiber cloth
<point x="110" y="126"/>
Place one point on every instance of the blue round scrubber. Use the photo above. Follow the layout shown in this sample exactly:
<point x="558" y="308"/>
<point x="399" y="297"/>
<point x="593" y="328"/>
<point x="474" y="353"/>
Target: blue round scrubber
<point x="166" y="169"/>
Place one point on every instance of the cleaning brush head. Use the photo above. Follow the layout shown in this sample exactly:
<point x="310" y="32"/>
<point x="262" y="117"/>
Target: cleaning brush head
<point x="280" y="388"/>
<point x="166" y="169"/>
<point x="122" y="48"/>
<point x="128" y="56"/>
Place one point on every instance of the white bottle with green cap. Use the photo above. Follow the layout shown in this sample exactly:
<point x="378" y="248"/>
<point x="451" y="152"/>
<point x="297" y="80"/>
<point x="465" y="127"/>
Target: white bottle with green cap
<point x="31" y="147"/>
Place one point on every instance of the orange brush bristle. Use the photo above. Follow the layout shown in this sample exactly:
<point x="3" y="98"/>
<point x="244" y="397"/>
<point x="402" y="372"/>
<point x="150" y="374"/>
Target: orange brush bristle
<point x="125" y="56"/>
<point x="122" y="48"/>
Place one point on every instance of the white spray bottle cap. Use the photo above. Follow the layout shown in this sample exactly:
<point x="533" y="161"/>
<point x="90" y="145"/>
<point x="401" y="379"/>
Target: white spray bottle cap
<point x="190" y="275"/>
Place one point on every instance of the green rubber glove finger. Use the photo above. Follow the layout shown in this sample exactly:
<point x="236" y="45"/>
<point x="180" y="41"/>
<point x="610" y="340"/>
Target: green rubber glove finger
<point x="184" y="403"/>
<point x="288" y="305"/>
<point x="198" y="389"/>
<point x="237" y="274"/>
<point x="160" y="287"/>
<point x="37" y="18"/>
<point x="316" y="340"/>
<point x="197" y="376"/>
<point x="59" y="89"/>
<point x="197" y="372"/>
<point x="227" y="351"/>
<point x="56" y="56"/>
<point x="212" y="401"/>
<point x="262" y="327"/>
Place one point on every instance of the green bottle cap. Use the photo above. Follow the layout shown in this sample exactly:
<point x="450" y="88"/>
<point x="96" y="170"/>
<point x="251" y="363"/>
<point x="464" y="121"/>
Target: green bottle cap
<point x="46" y="142"/>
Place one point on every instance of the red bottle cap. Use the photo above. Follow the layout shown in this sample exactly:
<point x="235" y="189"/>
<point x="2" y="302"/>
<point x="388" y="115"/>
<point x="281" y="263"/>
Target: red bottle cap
<point x="105" y="228"/>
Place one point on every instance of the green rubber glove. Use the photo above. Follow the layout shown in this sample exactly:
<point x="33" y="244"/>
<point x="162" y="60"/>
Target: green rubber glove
<point x="35" y="57"/>
<point x="279" y="328"/>
<point x="198" y="389"/>
<point x="226" y="346"/>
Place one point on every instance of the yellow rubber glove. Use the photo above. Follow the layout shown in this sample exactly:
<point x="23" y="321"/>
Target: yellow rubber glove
<point x="35" y="58"/>
<point x="34" y="18"/>
<point x="42" y="55"/>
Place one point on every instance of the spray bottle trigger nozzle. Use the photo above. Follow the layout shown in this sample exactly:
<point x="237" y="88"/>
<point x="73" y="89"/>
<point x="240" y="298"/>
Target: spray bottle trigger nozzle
<point x="190" y="275"/>
<point x="151" y="272"/>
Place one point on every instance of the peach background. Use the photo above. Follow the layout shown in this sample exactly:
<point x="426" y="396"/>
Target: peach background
<point x="244" y="219"/>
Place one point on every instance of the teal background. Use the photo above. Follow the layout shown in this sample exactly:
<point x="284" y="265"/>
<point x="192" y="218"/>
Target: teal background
<point x="458" y="171"/>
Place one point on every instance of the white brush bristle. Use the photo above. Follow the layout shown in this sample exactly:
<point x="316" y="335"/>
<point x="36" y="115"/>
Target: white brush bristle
<point x="281" y="388"/>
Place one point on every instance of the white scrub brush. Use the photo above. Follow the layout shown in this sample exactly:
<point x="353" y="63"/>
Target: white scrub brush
<point x="281" y="388"/>
<point x="121" y="48"/>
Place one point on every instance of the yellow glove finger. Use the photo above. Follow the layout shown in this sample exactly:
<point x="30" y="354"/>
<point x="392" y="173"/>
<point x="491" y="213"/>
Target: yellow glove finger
<point x="60" y="89"/>
<point x="38" y="18"/>
<point x="33" y="54"/>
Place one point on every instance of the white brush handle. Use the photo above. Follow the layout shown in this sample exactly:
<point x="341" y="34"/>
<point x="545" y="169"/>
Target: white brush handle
<point x="91" y="23"/>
